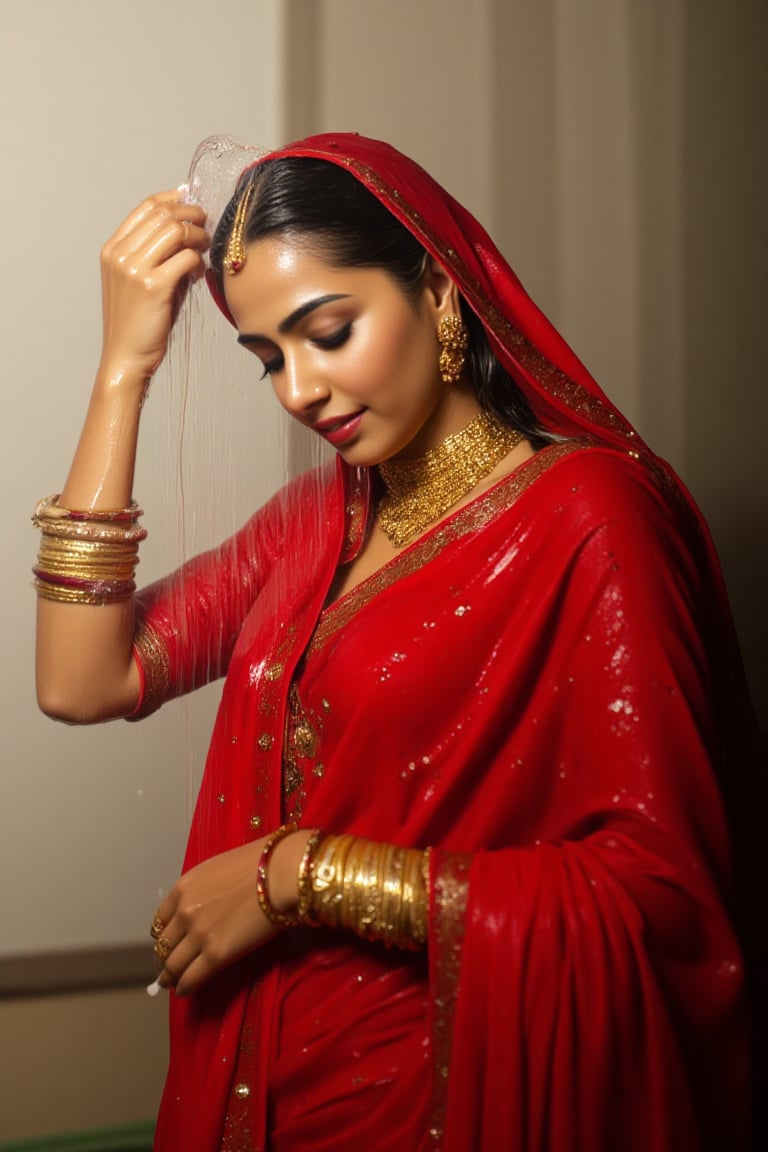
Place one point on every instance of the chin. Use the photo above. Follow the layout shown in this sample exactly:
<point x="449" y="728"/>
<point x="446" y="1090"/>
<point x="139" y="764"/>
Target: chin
<point x="365" y="456"/>
<point x="359" y="459"/>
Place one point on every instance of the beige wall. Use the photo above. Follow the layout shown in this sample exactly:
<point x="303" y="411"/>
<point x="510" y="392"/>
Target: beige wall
<point x="70" y="1063"/>
<point x="415" y="74"/>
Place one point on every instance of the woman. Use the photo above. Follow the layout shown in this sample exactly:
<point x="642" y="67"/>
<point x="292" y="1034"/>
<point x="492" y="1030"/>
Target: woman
<point x="460" y="874"/>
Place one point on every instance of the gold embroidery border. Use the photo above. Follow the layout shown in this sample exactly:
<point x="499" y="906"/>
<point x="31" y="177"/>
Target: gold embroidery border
<point x="475" y="515"/>
<point x="357" y="502"/>
<point x="149" y="646"/>
<point x="450" y="893"/>
<point x="294" y="780"/>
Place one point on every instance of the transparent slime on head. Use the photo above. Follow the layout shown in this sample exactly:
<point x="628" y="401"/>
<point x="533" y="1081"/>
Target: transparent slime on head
<point x="215" y="169"/>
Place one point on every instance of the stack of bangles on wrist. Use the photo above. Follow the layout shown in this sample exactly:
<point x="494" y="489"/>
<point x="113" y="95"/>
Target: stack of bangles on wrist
<point x="377" y="891"/>
<point x="87" y="557"/>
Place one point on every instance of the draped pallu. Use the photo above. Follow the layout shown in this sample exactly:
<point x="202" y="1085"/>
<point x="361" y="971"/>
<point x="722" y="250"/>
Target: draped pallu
<point x="545" y="689"/>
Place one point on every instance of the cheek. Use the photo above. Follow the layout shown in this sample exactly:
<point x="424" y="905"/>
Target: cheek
<point x="398" y="353"/>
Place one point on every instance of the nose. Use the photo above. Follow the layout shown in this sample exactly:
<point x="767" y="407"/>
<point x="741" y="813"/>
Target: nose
<point x="302" y="389"/>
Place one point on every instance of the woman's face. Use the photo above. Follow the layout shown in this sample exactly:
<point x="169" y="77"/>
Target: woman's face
<point x="348" y="354"/>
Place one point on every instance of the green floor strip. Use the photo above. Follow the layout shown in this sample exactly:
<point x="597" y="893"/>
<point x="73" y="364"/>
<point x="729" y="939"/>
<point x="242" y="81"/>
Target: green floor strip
<point x="128" y="1138"/>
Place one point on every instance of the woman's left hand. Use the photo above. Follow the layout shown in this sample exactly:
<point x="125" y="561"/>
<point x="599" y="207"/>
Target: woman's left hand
<point x="211" y="917"/>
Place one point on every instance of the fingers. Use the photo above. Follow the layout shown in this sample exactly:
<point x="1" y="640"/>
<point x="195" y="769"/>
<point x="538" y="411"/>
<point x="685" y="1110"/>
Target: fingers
<point x="163" y="949"/>
<point x="162" y="932"/>
<point x="190" y="964"/>
<point x="146" y="268"/>
<point x="175" y="236"/>
<point x="153" y="241"/>
<point x="196" y="972"/>
<point x="183" y="961"/>
<point x="168" y="204"/>
<point x="176" y="960"/>
<point x="167" y="938"/>
<point x="165" y="913"/>
<point x="185" y="954"/>
<point x="156" y="231"/>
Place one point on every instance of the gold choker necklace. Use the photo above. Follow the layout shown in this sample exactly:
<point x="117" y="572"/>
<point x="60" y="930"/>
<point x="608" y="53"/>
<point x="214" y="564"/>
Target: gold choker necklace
<point x="419" y="491"/>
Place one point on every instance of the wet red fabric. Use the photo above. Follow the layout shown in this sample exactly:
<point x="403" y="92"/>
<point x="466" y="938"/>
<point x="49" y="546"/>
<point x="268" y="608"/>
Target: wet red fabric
<point x="545" y="689"/>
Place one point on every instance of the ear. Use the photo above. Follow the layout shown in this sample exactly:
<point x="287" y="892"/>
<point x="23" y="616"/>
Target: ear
<point x="442" y="295"/>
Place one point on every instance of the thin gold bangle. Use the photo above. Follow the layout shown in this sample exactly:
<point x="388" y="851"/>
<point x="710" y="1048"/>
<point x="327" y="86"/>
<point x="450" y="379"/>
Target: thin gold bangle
<point x="304" y="880"/>
<point x="281" y="919"/>
<point x="49" y="508"/>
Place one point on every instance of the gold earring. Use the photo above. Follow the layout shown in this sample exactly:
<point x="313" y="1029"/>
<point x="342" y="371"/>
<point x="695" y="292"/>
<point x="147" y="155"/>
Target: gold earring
<point x="453" y="339"/>
<point x="234" y="257"/>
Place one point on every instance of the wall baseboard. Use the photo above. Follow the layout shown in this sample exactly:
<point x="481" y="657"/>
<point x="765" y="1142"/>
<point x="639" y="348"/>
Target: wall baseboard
<point x="76" y="970"/>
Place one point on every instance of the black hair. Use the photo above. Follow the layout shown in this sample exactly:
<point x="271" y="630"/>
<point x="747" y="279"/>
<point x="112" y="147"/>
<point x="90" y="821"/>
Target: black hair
<point x="301" y="197"/>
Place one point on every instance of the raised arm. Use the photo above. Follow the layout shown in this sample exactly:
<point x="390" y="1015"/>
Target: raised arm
<point x="85" y="670"/>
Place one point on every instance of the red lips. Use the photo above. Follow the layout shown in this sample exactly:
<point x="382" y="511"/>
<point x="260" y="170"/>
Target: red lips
<point x="339" y="429"/>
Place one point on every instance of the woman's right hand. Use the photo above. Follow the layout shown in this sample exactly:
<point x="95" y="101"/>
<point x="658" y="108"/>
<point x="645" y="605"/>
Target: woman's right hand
<point x="145" y="269"/>
<point x="212" y="916"/>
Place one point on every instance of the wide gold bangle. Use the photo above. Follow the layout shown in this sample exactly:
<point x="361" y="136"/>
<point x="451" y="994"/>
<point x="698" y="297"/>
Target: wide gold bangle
<point x="327" y="879"/>
<point x="281" y="919"/>
<point x="376" y="890"/>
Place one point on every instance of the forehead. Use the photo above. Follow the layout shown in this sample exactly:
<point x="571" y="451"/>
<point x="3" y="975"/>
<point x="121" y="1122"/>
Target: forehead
<point x="281" y="274"/>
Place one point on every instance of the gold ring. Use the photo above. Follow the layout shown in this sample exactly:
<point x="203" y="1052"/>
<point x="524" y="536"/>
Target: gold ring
<point x="163" y="949"/>
<point x="156" y="930"/>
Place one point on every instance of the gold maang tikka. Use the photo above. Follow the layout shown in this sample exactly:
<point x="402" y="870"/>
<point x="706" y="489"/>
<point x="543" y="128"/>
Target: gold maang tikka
<point x="234" y="257"/>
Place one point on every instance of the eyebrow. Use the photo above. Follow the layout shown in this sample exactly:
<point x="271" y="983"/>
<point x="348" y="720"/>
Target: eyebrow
<point x="293" y="319"/>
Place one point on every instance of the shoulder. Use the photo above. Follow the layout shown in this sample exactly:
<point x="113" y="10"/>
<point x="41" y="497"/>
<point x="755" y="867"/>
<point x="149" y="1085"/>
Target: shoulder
<point x="605" y="484"/>
<point x="596" y="498"/>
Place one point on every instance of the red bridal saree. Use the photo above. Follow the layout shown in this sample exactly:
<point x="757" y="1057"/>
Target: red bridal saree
<point x="544" y="688"/>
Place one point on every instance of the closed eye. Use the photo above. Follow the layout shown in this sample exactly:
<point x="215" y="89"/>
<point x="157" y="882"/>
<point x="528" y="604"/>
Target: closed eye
<point x="271" y="366"/>
<point x="335" y="340"/>
<point x="327" y="343"/>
